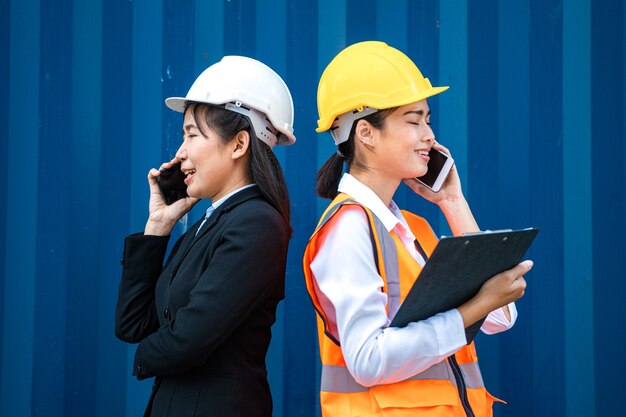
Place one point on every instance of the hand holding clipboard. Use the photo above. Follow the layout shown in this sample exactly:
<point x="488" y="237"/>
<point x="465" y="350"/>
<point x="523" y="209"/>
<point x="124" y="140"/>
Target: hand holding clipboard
<point x="457" y="270"/>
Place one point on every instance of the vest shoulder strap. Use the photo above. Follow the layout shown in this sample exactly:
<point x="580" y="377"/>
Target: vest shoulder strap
<point x="420" y="228"/>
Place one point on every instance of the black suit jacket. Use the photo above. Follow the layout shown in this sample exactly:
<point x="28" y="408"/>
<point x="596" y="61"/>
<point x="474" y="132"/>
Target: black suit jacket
<point x="203" y="320"/>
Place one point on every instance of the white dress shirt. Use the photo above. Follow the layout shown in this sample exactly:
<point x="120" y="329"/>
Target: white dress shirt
<point x="349" y="290"/>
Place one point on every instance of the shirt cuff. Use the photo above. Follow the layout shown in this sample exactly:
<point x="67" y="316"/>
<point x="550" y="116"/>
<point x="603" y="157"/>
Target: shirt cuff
<point x="497" y="322"/>
<point x="450" y="331"/>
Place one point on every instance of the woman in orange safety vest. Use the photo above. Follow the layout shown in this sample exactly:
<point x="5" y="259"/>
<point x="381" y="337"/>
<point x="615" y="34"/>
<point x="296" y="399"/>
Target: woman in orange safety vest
<point x="366" y="253"/>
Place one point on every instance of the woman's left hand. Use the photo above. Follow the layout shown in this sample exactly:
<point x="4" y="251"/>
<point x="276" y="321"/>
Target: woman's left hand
<point x="450" y="190"/>
<point x="450" y="200"/>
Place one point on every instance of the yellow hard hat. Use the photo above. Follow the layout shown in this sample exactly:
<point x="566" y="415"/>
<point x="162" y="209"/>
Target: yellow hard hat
<point x="369" y="74"/>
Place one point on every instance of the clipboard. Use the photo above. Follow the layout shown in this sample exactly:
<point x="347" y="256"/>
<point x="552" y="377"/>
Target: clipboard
<point x="457" y="269"/>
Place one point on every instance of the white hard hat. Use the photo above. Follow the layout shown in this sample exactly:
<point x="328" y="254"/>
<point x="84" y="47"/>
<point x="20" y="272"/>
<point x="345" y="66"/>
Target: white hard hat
<point x="249" y="87"/>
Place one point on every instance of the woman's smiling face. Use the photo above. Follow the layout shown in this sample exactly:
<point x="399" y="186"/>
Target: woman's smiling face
<point x="205" y="160"/>
<point x="402" y="145"/>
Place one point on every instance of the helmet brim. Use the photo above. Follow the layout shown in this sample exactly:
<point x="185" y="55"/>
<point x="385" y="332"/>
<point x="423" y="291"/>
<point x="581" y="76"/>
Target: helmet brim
<point x="286" y="136"/>
<point x="176" y="103"/>
<point x="324" y="125"/>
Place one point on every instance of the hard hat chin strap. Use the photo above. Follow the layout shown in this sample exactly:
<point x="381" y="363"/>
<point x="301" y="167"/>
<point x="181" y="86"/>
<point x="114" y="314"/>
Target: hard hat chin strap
<point x="263" y="129"/>
<point x="340" y="130"/>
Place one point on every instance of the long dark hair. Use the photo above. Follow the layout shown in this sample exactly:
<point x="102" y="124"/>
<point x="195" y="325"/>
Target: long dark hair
<point x="329" y="175"/>
<point x="263" y="167"/>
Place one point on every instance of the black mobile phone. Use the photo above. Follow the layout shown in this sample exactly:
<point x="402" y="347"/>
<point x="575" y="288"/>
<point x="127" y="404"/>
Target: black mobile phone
<point x="439" y="166"/>
<point x="172" y="184"/>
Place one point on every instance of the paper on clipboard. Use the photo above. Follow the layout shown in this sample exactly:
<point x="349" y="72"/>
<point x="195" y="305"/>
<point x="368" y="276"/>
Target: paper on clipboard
<point x="457" y="269"/>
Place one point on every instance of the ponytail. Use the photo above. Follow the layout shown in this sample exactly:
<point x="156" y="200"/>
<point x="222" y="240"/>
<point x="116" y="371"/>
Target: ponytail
<point x="264" y="170"/>
<point x="328" y="177"/>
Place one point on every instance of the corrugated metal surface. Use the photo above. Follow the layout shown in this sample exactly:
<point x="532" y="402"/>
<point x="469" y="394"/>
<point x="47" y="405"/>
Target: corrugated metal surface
<point x="534" y="116"/>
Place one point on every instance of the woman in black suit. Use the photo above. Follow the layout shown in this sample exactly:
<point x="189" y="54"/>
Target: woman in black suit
<point x="202" y="319"/>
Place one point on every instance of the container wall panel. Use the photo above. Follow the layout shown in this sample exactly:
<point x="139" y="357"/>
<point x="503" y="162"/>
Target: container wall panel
<point x="534" y="117"/>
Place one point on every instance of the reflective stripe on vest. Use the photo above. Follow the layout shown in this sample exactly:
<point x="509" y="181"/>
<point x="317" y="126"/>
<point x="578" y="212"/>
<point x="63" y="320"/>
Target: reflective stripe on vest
<point x="389" y="255"/>
<point x="390" y="259"/>
<point x="338" y="378"/>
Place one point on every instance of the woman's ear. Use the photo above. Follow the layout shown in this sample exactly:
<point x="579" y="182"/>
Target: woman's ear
<point x="364" y="132"/>
<point x="240" y="143"/>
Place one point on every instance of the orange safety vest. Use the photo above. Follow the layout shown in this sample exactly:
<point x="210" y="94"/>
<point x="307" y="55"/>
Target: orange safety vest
<point x="449" y="388"/>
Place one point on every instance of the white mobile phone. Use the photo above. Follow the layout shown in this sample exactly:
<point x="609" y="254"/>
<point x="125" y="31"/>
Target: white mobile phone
<point x="439" y="166"/>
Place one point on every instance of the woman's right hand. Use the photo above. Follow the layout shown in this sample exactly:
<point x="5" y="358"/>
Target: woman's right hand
<point x="162" y="217"/>
<point x="498" y="291"/>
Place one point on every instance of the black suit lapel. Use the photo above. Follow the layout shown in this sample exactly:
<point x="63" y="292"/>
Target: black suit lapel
<point x="193" y="238"/>
<point x="177" y="258"/>
<point x="227" y="206"/>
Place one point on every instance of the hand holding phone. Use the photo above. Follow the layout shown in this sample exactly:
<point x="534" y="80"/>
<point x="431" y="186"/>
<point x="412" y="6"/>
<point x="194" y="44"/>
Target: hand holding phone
<point x="172" y="184"/>
<point x="439" y="166"/>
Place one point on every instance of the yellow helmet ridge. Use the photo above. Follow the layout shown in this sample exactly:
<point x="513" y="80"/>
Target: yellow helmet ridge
<point x="369" y="74"/>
